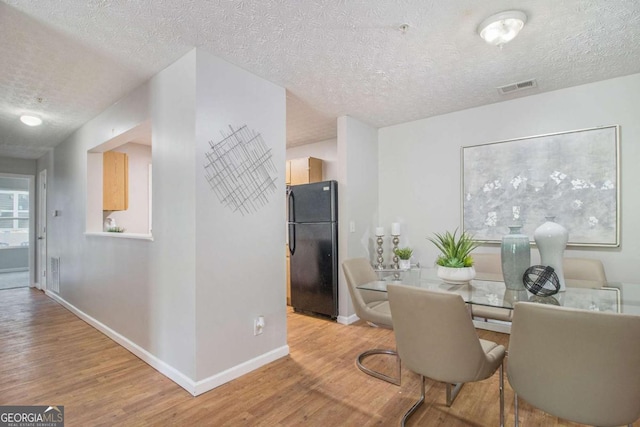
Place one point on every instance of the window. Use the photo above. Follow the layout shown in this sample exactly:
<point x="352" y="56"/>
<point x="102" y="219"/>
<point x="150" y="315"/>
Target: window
<point x="14" y="218"/>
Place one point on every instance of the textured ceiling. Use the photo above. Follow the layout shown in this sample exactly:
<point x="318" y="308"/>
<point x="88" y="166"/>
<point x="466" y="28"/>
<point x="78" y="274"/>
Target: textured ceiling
<point x="67" y="60"/>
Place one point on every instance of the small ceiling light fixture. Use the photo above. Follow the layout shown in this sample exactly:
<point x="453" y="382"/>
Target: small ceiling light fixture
<point x="30" y="120"/>
<point x="502" y="27"/>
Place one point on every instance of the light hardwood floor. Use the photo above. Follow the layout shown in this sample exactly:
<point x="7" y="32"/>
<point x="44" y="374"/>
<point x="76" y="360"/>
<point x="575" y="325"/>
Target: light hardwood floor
<point x="48" y="356"/>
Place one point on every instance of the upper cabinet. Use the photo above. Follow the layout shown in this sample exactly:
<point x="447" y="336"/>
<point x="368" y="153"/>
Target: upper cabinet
<point x="303" y="171"/>
<point x="115" y="180"/>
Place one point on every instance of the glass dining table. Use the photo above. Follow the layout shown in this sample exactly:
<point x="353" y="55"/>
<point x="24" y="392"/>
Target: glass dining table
<point x="491" y="291"/>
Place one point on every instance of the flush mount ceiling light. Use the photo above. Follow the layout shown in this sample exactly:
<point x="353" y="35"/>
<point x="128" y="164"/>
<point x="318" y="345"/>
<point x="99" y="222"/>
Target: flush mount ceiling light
<point x="30" y="120"/>
<point x="502" y="27"/>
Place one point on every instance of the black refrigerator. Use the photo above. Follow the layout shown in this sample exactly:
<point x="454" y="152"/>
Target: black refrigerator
<point x="312" y="215"/>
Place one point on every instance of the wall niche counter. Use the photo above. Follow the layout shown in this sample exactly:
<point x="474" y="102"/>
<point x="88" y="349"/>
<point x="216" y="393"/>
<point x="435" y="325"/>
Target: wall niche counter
<point x="119" y="183"/>
<point x="137" y="236"/>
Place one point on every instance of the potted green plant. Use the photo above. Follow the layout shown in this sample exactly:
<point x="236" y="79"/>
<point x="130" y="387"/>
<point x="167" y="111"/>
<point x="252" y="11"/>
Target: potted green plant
<point x="455" y="264"/>
<point x="405" y="257"/>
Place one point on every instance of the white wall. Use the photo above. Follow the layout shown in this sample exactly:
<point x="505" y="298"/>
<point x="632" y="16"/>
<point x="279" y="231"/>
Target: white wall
<point x="136" y="218"/>
<point x="171" y="265"/>
<point x="419" y="178"/>
<point x="240" y="267"/>
<point x="17" y="166"/>
<point x="327" y="151"/>
<point x="357" y="199"/>
<point x="144" y="292"/>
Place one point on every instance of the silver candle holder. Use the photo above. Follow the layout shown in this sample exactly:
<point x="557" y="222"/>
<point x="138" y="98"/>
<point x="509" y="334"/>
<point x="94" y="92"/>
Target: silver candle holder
<point x="380" y="251"/>
<point x="395" y="241"/>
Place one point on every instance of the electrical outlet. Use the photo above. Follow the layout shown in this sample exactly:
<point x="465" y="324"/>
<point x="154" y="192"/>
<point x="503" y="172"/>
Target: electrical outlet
<point x="258" y="325"/>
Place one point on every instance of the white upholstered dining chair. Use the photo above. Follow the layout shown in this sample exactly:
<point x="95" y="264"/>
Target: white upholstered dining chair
<point x="582" y="366"/>
<point x="371" y="307"/>
<point x="436" y="339"/>
<point x="584" y="272"/>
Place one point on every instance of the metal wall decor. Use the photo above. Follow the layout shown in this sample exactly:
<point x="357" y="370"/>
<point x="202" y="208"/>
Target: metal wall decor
<point x="240" y="170"/>
<point x="574" y="176"/>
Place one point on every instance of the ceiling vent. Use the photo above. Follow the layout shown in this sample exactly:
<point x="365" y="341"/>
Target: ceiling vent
<point x="517" y="87"/>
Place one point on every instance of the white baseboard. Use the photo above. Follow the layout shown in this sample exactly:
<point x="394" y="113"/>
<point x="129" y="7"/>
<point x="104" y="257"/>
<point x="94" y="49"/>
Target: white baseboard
<point x="191" y="386"/>
<point x="237" y="371"/>
<point x="347" y="320"/>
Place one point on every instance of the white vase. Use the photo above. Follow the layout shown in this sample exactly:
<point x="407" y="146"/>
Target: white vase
<point x="551" y="239"/>
<point x="456" y="276"/>
<point x="109" y="223"/>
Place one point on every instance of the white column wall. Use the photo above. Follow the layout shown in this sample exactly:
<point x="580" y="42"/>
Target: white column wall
<point x="232" y="265"/>
<point x="357" y="199"/>
<point x="171" y="268"/>
<point x="240" y="262"/>
<point x="420" y="161"/>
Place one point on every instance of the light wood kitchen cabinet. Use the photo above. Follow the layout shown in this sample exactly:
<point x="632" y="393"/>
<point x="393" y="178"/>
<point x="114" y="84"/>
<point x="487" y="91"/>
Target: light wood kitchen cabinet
<point x="287" y="178"/>
<point x="115" y="181"/>
<point x="304" y="170"/>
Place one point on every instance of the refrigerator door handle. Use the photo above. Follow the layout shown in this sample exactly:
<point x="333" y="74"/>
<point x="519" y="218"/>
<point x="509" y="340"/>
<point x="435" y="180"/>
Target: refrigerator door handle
<point x="292" y="238"/>
<point x="291" y="206"/>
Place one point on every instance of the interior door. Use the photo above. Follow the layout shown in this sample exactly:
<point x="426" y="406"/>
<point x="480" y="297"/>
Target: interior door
<point x="42" y="231"/>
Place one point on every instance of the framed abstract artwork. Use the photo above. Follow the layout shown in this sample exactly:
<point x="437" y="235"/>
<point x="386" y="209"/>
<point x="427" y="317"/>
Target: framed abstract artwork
<point x="573" y="176"/>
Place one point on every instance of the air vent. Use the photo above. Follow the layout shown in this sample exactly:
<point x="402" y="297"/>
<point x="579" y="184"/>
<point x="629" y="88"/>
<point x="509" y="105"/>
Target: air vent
<point x="516" y="87"/>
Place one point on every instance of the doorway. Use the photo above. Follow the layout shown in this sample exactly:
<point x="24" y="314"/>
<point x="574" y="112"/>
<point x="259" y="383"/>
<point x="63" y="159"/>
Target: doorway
<point x="41" y="233"/>
<point x="16" y="237"/>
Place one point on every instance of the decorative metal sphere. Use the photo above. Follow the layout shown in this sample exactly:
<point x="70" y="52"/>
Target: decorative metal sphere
<point x="541" y="280"/>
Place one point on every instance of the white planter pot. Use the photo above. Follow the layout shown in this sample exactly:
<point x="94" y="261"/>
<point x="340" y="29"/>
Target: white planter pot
<point x="456" y="276"/>
<point x="404" y="264"/>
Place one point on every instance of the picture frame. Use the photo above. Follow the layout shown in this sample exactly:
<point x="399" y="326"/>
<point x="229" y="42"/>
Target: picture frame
<point x="573" y="176"/>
